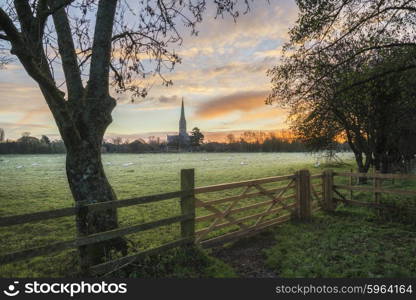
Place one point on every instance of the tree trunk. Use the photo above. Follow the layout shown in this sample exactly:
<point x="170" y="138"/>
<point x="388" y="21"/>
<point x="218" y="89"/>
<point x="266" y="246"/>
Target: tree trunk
<point x="82" y="115"/>
<point x="89" y="184"/>
<point x="378" y="161"/>
<point x="385" y="164"/>
<point x="362" y="166"/>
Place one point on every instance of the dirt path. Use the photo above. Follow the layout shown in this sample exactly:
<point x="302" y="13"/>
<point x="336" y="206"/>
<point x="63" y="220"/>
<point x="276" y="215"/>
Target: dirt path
<point x="247" y="257"/>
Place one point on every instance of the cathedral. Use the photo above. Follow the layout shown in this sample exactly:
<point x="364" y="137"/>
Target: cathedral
<point x="180" y="141"/>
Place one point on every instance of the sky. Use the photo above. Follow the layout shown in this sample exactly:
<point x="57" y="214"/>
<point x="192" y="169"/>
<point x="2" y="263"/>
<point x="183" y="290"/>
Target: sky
<point x="222" y="79"/>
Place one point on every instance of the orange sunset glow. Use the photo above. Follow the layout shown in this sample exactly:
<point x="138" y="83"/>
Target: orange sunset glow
<point x="222" y="79"/>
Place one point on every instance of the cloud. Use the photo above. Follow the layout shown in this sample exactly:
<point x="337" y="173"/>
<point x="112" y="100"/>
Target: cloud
<point x="217" y="78"/>
<point x="258" y="66"/>
<point x="23" y="104"/>
<point x="269" y="53"/>
<point x="264" y="20"/>
<point x="225" y="59"/>
<point x="15" y="125"/>
<point x="154" y="103"/>
<point x="35" y="114"/>
<point x="166" y="99"/>
<point x="196" y="51"/>
<point x="237" y="102"/>
<point x="268" y="113"/>
<point x="14" y="130"/>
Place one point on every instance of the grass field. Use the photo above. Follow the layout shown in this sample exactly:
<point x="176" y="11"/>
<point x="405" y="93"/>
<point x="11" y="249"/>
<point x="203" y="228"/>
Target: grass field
<point x="350" y="243"/>
<point x="30" y="183"/>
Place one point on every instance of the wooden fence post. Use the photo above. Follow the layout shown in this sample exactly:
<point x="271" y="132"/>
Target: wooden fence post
<point x="351" y="183"/>
<point x="303" y="194"/>
<point x="85" y="261"/>
<point x="328" y="185"/>
<point x="376" y="185"/>
<point x="188" y="202"/>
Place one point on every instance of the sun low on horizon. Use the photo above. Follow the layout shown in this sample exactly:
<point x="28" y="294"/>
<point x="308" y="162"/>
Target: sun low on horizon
<point x="222" y="80"/>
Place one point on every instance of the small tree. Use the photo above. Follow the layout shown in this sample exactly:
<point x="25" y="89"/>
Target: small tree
<point x="117" y="140"/>
<point x="45" y="140"/>
<point x="197" y="138"/>
<point x="231" y="138"/>
<point x="2" y="135"/>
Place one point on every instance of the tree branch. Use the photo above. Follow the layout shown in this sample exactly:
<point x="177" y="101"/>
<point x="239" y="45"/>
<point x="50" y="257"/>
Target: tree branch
<point x="43" y="12"/>
<point x="4" y="37"/>
<point x="98" y="84"/>
<point x="379" y="75"/>
<point x="61" y="4"/>
<point x="6" y="25"/>
<point x="41" y="18"/>
<point x="25" y="15"/>
<point x="365" y="19"/>
<point x="55" y="101"/>
<point x="68" y="55"/>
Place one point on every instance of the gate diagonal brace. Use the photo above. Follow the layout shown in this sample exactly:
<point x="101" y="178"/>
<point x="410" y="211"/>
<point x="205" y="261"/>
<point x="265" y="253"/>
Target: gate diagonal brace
<point x="339" y="194"/>
<point x="221" y="214"/>
<point x="276" y="200"/>
<point x="315" y="194"/>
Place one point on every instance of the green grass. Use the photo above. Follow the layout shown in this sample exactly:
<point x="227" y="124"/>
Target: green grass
<point x="400" y="207"/>
<point x="40" y="184"/>
<point x="178" y="263"/>
<point x="348" y="243"/>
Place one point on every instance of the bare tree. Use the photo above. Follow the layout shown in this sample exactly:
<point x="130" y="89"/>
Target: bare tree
<point x="325" y="28"/>
<point x="97" y="44"/>
<point x="338" y="52"/>
<point x="230" y="138"/>
<point x="118" y="140"/>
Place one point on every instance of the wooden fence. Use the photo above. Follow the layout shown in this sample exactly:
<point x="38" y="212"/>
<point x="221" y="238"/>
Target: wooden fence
<point x="298" y="196"/>
<point x="376" y="189"/>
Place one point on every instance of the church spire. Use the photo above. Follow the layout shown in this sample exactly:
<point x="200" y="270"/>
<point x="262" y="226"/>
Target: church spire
<point x="182" y="111"/>
<point x="182" y="121"/>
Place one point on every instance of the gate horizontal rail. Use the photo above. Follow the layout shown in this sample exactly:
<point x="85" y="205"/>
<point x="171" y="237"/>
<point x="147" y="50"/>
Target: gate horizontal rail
<point x="290" y="198"/>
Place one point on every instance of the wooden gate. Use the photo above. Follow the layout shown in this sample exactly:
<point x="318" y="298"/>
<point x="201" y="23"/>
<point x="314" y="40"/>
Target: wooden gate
<point x="279" y="207"/>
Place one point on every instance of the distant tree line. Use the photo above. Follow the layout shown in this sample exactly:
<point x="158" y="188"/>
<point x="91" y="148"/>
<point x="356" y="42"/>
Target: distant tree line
<point x="118" y="145"/>
<point x="249" y="141"/>
<point x="30" y="145"/>
<point x="259" y="141"/>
